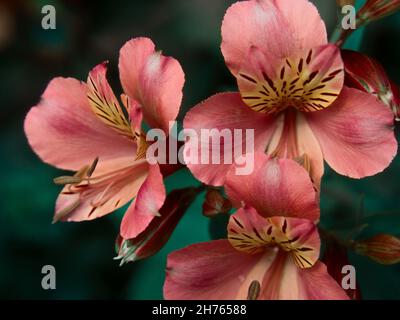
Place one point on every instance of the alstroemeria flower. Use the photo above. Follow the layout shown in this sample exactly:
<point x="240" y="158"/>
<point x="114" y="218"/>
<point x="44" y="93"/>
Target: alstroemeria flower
<point x="82" y="127"/>
<point x="292" y="94"/>
<point x="270" y="252"/>
<point x="367" y="74"/>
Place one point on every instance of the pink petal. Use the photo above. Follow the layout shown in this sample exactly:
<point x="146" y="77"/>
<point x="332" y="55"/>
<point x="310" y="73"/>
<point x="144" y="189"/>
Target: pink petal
<point x="283" y="280"/>
<point x="148" y="202"/>
<point x="308" y="146"/>
<point x="316" y="284"/>
<point x="214" y="270"/>
<point x="278" y="27"/>
<point x="132" y="58"/>
<point x="219" y="112"/>
<point x="276" y="187"/>
<point x="355" y="134"/>
<point x="121" y="182"/>
<point x="210" y="270"/>
<point x="153" y="80"/>
<point x="64" y="131"/>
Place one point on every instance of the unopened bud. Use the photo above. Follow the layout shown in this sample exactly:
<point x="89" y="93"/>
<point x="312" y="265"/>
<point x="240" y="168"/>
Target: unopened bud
<point x="367" y="74"/>
<point x="215" y="203"/>
<point x="382" y="248"/>
<point x="342" y="3"/>
<point x="376" y="9"/>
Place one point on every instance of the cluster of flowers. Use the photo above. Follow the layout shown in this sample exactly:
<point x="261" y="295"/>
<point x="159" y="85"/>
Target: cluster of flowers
<point x="307" y="101"/>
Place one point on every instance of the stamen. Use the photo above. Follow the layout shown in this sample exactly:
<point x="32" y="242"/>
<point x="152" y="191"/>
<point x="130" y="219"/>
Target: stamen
<point x="142" y="146"/>
<point x="99" y="201"/>
<point x="68" y="209"/>
<point x="304" y="161"/>
<point x="63" y="180"/>
<point x="298" y="82"/>
<point x="254" y="290"/>
<point x="92" y="167"/>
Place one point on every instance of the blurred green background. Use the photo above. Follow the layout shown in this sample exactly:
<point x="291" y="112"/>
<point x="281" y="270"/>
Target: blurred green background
<point x="88" y="33"/>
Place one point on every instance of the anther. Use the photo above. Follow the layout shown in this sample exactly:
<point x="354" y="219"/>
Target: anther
<point x="68" y="209"/>
<point x="63" y="180"/>
<point x="92" y="167"/>
<point x="254" y="290"/>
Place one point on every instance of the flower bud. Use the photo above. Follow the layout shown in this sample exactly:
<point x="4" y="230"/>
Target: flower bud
<point x="382" y="248"/>
<point x="376" y="9"/>
<point x="153" y="238"/>
<point x="215" y="204"/>
<point x="368" y="75"/>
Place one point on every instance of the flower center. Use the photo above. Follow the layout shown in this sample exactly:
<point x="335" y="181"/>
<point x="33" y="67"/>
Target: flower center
<point x="275" y="233"/>
<point x="308" y="82"/>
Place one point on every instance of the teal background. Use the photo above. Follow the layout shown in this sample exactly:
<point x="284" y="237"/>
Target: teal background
<point x="189" y="30"/>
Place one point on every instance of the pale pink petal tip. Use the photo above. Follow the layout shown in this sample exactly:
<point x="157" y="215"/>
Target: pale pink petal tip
<point x="155" y="81"/>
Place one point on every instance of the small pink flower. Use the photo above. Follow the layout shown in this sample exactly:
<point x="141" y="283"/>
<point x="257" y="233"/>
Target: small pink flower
<point x="270" y="253"/>
<point x="292" y="94"/>
<point x="82" y="127"/>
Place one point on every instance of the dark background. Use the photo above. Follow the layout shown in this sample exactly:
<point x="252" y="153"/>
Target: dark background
<point x="88" y="33"/>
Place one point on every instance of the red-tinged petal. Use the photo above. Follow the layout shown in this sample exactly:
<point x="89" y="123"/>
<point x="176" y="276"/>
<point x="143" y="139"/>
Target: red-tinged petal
<point x="223" y="113"/>
<point x="157" y="233"/>
<point x="153" y="80"/>
<point x="276" y="187"/>
<point x="309" y="80"/>
<point x="280" y="28"/>
<point x="64" y="131"/>
<point x="355" y="134"/>
<point x="113" y="184"/>
<point x="395" y="101"/>
<point x="146" y="206"/>
<point x="211" y="270"/>
<point x="251" y="233"/>
<point x="364" y="73"/>
<point x="367" y="74"/>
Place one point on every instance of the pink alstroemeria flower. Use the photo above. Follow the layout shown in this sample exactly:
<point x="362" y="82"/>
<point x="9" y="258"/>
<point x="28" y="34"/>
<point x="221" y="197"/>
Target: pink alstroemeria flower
<point x="272" y="248"/>
<point x="82" y="127"/>
<point x="292" y="94"/>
